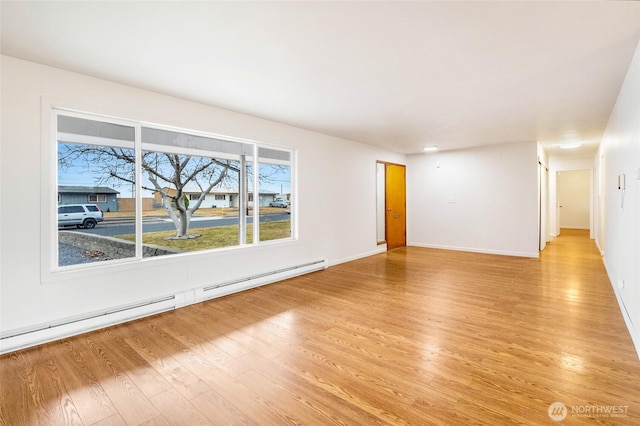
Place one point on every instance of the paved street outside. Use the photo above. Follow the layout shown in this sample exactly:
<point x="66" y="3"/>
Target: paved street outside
<point x="123" y="225"/>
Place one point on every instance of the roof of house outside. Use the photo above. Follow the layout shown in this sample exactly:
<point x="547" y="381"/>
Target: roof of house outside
<point x="219" y="191"/>
<point x="65" y="189"/>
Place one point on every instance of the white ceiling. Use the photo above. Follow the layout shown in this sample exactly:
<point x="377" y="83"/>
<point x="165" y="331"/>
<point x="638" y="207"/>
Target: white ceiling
<point x="399" y="75"/>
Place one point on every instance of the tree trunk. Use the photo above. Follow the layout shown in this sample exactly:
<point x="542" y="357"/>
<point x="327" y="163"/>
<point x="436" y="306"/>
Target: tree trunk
<point x="183" y="230"/>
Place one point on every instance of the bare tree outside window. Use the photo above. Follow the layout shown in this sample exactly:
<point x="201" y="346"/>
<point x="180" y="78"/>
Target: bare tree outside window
<point x="182" y="173"/>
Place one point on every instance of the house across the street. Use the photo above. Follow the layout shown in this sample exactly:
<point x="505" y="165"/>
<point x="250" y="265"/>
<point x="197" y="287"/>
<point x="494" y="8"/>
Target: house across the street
<point x="219" y="198"/>
<point x="106" y="198"/>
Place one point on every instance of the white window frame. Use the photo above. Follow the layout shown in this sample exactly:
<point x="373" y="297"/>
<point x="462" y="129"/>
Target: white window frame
<point x="49" y="135"/>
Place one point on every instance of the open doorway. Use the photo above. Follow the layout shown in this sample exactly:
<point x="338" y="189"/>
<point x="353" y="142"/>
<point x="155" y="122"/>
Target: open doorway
<point x="574" y="205"/>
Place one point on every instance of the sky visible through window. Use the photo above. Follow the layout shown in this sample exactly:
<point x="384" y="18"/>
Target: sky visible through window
<point x="274" y="179"/>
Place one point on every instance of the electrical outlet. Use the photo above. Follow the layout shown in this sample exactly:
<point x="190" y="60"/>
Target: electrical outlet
<point x="620" y="284"/>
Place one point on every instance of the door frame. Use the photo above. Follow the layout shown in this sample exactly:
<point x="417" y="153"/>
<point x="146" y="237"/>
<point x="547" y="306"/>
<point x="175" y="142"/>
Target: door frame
<point x="385" y="212"/>
<point x="559" y="202"/>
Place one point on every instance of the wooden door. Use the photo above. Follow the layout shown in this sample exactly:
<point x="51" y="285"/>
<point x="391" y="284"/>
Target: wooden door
<point x="395" y="206"/>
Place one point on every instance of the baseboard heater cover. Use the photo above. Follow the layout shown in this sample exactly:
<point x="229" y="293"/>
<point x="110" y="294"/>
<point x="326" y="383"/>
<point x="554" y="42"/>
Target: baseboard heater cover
<point x="252" y="281"/>
<point x="22" y="339"/>
<point x="32" y="337"/>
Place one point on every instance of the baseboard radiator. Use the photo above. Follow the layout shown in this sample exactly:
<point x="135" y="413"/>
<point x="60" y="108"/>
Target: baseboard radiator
<point x="69" y="327"/>
<point x="218" y="290"/>
<point x="21" y="339"/>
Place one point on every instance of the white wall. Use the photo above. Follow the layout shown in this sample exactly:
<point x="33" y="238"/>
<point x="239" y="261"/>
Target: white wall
<point x="620" y="154"/>
<point x="574" y="195"/>
<point x="326" y="166"/>
<point x="482" y="199"/>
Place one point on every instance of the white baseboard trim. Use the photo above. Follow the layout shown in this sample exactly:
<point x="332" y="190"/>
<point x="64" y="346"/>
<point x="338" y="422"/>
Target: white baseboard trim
<point x="633" y="332"/>
<point x="477" y="250"/>
<point x="382" y="248"/>
<point x="14" y="340"/>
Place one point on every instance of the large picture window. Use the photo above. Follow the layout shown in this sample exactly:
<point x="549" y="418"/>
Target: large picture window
<point x="161" y="191"/>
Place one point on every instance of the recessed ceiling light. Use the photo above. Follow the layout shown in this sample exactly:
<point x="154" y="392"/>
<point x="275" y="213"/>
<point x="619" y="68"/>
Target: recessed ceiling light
<point x="570" y="145"/>
<point x="432" y="148"/>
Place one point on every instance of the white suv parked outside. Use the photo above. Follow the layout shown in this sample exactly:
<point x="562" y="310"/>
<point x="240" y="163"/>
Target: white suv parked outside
<point x="80" y="215"/>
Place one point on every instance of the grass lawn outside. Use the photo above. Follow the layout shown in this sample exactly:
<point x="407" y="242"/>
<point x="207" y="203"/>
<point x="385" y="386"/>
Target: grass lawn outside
<point x="214" y="237"/>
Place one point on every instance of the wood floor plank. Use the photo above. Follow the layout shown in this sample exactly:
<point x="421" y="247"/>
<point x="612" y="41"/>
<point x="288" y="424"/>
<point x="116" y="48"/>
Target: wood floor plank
<point x="158" y="334"/>
<point x="90" y="399"/>
<point x="411" y="336"/>
<point x="362" y="390"/>
<point x="163" y="359"/>
<point x="178" y="410"/>
<point x="115" y="378"/>
<point x="48" y="402"/>
<point x="119" y="353"/>
<point x="158" y="421"/>
<point x="253" y="405"/>
<point x="250" y="336"/>
<point x="201" y="340"/>
<point x="291" y="409"/>
<point x="219" y="410"/>
<point x="216" y="332"/>
<point x="16" y="406"/>
<point x="337" y="410"/>
<point x="115" y="420"/>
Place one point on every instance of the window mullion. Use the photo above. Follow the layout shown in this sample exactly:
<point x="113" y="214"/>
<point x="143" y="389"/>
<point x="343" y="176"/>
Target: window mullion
<point x="138" y="190"/>
<point x="256" y="196"/>
<point x="242" y="201"/>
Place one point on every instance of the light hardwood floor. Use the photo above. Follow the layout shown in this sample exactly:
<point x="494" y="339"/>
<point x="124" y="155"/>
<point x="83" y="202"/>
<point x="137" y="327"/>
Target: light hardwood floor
<point x="414" y="336"/>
